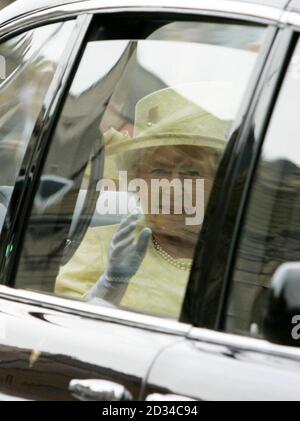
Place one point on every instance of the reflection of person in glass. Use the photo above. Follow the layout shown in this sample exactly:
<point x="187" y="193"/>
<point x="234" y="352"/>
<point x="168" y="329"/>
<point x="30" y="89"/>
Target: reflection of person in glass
<point x="143" y="264"/>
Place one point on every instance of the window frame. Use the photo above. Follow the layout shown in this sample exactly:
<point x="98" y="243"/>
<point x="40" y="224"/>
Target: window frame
<point x="287" y="40"/>
<point x="8" y="267"/>
<point x="27" y="179"/>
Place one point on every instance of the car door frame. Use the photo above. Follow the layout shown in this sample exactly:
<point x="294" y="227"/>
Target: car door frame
<point x="219" y="9"/>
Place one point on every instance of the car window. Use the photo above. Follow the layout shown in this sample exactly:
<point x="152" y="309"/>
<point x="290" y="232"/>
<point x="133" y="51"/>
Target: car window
<point x="125" y="186"/>
<point x="271" y="233"/>
<point x="27" y="65"/>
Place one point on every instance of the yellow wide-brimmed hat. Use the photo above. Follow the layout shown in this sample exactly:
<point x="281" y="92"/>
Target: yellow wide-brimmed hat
<point x="167" y="118"/>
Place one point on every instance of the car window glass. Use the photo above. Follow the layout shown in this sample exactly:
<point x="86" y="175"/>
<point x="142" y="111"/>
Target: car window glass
<point x="27" y="65"/>
<point x="271" y="233"/>
<point x="126" y="182"/>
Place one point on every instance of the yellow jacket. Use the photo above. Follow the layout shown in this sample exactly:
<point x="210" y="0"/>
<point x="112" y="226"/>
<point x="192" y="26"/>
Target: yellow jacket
<point x="157" y="288"/>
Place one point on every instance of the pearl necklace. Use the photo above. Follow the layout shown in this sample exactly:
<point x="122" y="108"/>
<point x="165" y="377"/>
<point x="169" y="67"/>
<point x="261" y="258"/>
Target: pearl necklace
<point x="170" y="259"/>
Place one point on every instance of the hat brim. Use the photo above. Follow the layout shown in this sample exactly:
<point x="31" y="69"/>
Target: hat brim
<point x="163" y="139"/>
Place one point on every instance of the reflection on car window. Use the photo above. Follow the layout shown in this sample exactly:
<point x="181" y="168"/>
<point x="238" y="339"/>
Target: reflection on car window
<point x="137" y="148"/>
<point x="27" y="66"/>
<point x="271" y="235"/>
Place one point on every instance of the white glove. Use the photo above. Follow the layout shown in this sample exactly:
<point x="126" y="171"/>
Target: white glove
<point x="125" y="256"/>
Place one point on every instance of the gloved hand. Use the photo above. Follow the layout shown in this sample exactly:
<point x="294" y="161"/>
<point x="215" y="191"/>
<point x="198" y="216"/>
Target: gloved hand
<point x="125" y="256"/>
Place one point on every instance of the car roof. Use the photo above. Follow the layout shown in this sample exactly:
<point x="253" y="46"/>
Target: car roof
<point x="18" y="8"/>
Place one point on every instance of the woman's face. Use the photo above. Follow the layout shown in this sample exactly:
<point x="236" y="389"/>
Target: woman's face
<point x="188" y="165"/>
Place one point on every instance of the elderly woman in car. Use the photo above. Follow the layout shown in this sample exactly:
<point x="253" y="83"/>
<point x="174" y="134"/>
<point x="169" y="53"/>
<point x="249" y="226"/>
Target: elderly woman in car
<point x="143" y="264"/>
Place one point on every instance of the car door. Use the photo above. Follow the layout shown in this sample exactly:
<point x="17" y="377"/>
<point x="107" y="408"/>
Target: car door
<point x="51" y="256"/>
<point x="238" y="359"/>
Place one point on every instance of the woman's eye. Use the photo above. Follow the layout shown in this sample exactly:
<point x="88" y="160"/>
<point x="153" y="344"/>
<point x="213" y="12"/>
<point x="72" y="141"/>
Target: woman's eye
<point x="191" y="173"/>
<point x="159" y="172"/>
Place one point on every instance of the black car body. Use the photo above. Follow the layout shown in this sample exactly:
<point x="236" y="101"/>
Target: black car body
<point x="47" y="341"/>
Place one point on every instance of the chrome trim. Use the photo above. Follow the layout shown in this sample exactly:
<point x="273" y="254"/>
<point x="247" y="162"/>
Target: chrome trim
<point x="240" y="9"/>
<point x="228" y="6"/>
<point x="290" y="18"/>
<point x="81" y="308"/>
<point x="98" y="390"/>
<point x="243" y="343"/>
